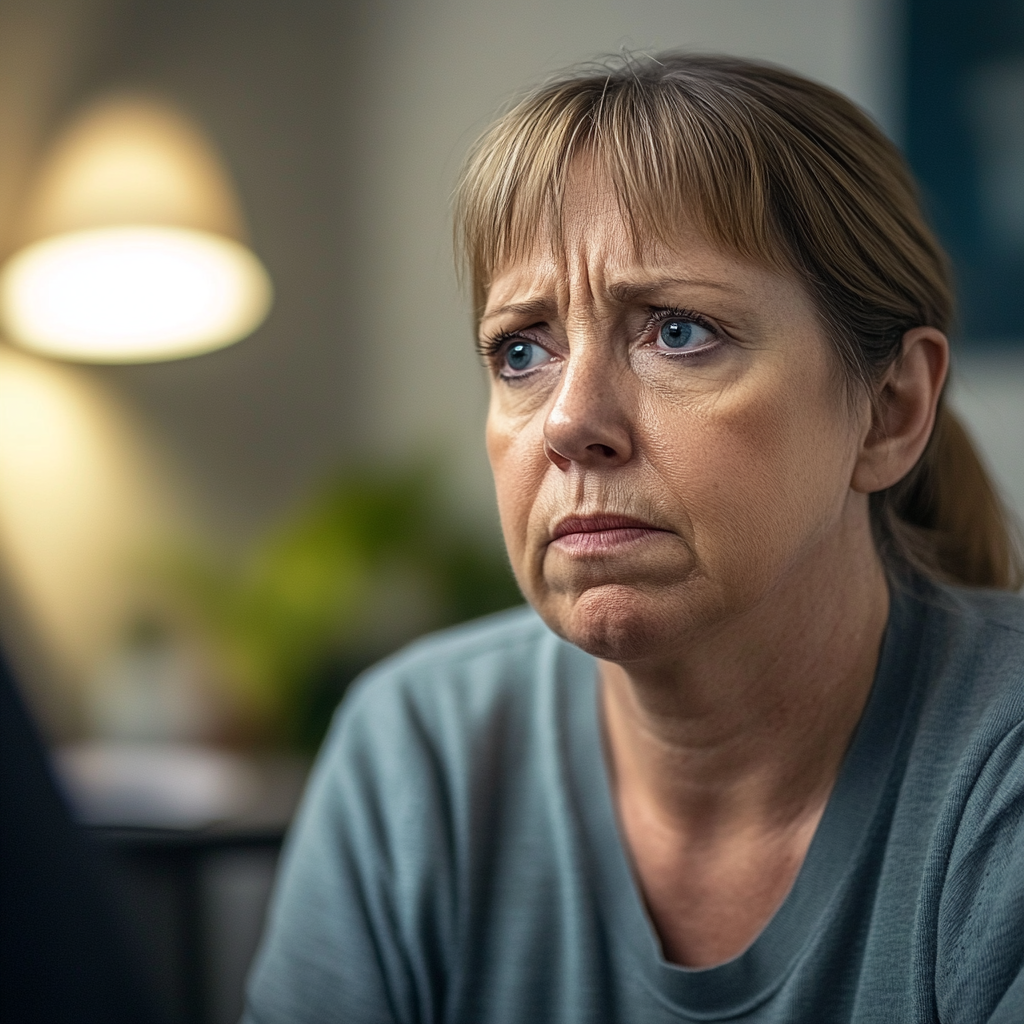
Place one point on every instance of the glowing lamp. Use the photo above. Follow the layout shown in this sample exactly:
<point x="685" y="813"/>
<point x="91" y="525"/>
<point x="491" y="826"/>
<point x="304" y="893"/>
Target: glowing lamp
<point x="133" y="245"/>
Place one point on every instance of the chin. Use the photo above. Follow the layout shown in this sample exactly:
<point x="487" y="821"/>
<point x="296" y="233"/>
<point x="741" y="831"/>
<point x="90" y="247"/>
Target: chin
<point x="620" y="623"/>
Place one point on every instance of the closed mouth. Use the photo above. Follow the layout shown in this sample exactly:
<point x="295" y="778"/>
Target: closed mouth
<point x="602" y="523"/>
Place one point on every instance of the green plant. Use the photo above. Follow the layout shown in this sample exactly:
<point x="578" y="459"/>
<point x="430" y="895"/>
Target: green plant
<point x="367" y="562"/>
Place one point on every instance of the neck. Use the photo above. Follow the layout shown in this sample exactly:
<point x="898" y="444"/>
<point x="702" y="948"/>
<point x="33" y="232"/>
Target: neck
<point x="746" y="729"/>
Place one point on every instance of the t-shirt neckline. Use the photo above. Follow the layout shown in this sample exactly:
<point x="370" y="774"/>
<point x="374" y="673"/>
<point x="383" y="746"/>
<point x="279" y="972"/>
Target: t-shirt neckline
<point x="741" y="984"/>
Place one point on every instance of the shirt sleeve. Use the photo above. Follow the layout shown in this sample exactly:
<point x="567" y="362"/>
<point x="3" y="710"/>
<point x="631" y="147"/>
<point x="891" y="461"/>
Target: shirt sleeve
<point x="357" y="925"/>
<point x="980" y="969"/>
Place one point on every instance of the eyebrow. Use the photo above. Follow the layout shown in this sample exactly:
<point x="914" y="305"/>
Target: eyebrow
<point x="532" y="308"/>
<point x="626" y="291"/>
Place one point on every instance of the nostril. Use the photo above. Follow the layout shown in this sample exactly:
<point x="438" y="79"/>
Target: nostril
<point x="556" y="457"/>
<point x="606" y="450"/>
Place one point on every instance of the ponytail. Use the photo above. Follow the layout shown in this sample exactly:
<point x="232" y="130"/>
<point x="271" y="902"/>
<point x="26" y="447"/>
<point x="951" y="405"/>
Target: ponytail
<point x="946" y="519"/>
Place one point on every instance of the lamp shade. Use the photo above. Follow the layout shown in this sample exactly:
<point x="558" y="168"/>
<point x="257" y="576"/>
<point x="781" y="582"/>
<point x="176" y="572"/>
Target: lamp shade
<point x="133" y="245"/>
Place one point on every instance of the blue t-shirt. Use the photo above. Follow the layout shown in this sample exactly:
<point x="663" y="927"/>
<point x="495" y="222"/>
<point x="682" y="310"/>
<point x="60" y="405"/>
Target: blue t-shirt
<point x="457" y="857"/>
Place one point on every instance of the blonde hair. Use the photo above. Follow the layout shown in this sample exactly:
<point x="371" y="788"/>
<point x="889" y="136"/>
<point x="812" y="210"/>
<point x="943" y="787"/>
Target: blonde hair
<point x="786" y="173"/>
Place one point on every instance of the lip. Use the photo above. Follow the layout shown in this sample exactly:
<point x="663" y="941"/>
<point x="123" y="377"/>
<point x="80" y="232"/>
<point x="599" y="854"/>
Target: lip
<point x="600" y="533"/>
<point x="602" y="522"/>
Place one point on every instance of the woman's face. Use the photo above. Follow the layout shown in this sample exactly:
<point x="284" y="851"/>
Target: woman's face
<point x="669" y="438"/>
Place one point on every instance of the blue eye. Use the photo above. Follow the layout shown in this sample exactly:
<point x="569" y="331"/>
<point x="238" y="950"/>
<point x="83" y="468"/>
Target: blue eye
<point x="524" y="355"/>
<point x="678" y="333"/>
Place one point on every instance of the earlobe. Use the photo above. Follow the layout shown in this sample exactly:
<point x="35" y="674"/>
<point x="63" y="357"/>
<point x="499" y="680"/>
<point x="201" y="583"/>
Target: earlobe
<point x="904" y="411"/>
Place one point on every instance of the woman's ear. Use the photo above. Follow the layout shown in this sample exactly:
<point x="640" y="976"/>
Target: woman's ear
<point x="904" y="413"/>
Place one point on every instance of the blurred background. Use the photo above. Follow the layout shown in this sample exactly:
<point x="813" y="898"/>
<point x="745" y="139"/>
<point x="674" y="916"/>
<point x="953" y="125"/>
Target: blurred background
<point x="198" y="553"/>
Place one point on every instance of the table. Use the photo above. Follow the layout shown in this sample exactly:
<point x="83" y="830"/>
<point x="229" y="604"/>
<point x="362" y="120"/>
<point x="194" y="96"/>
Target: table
<point x="193" y="867"/>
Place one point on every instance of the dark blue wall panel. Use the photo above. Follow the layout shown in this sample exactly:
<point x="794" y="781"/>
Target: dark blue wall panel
<point x="964" y="138"/>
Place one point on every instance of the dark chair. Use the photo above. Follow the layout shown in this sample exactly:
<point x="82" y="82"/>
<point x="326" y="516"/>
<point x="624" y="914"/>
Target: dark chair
<point x="64" y="957"/>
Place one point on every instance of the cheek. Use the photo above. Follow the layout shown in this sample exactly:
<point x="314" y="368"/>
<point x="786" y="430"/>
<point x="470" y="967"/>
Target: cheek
<point x="518" y="464"/>
<point x="761" y="470"/>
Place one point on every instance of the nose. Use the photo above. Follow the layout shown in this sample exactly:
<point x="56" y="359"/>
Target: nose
<point x="588" y="423"/>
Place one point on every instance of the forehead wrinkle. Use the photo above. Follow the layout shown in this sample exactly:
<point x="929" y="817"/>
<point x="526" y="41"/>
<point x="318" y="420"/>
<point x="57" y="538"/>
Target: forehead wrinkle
<point x="538" y="307"/>
<point x="629" y="291"/>
<point x="577" y="283"/>
<point x="566" y="271"/>
<point x="577" y="269"/>
<point x="587" y="306"/>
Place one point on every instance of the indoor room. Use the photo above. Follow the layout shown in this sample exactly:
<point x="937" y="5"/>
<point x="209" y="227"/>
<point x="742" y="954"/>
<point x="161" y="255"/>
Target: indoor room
<point x="242" y="413"/>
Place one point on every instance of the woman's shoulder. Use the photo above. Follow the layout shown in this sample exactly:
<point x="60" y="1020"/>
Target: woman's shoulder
<point x="455" y="690"/>
<point x="974" y="632"/>
<point x="974" y="724"/>
<point x="971" y="660"/>
<point x="996" y="609"/>
<point x="459" y="724"/>
<point x="970" y="730"/>
<point x="474" y="660"/>
<point x="458" y="646"/>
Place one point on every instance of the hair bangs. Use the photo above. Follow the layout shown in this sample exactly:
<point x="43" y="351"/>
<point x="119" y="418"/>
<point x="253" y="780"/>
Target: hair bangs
<point x="669" y="163"/>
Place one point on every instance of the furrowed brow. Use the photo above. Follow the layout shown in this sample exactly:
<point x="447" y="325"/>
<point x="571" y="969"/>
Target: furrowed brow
<point x="629" y="291"/>
<point x="534" y="308"/>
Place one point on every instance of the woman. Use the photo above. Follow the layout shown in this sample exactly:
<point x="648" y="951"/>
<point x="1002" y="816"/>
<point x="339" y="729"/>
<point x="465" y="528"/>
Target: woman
<point x="749" y="756"/>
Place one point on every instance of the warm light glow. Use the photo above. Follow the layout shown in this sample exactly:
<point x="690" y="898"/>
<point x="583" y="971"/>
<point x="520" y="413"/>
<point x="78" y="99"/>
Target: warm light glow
<point x="84" y="489"/>
<point x="132" y="243"/>
<point x="132" y="294"/>
<point x="131" y="160"/>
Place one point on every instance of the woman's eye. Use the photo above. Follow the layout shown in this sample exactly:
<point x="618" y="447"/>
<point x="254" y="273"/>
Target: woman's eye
<point x="524" y="355"/>
<point x="677" y="334"/>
